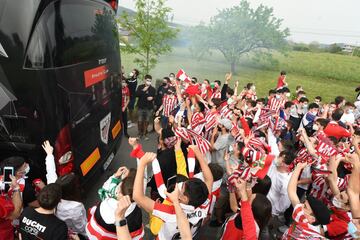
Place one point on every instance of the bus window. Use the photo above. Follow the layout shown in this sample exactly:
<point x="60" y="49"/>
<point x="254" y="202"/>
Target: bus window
<point x="77" y="31"/>
<point x="91" y="38"/>
<point x="38" y="55"/>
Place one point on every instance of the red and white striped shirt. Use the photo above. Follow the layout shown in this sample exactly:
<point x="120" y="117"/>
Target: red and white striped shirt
<point x="301" y="228"/>
<point x="211" y="120"/>
<point x="225" y="112"/>
<point x="251" y="96"/>
<point x="275" y="104"/>
<point x="197" y="122"/>
<point x="169" y="104"/>
<point x="319" y="187"/>
<point x="216" y="94"/>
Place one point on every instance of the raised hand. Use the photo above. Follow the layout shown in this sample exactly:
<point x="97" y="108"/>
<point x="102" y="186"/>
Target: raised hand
<point x="133" y="142"/>
<point x="47" y="147"/>
<point x="123" y="204"/>
<point x="174" y="195"/>
<point x="302" y="165"/>
<point x="228" y="77"/>
<point x="122" y="172"/>
<point x="148" y="158"/>
<point x="14" y="184"/>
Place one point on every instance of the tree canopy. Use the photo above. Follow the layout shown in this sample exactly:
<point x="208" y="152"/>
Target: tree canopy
<point x="149" y="32"/>
<point x="239" y="30"/>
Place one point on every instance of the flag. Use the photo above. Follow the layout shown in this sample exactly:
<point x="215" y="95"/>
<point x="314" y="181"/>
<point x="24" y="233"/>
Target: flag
<point x="264" y="117"/>
<point x="193" y="89"/>
<point x="203" y="144"/>
<point x="191" y="136"/>
<point x="277" y="123"/>
<point x="320" y="171"/>
<point x="182" y="76"/>
<point x="211" y="120"/>
<point x="182" y="133"/>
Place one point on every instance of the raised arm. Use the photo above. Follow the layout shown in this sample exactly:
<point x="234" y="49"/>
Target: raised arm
<point x="236" y="85"/>
<point x="353" y="189"/>
<point x="225" y="86"/>
<point x="123" y="231"/>
<point x="138" y="193"/>
<point x="212" y="139"/>
<point x="294" y="199"/>
<point x="51" y="175"/>
<point x="157" y="125"/>
<point x="16" y="199"/>
<point x="355" y="143"/>
<point x="181" y="219"/>
<point x="246" y="211"/>
<point x="208" y="177"/>
<point x="332" y="178"/>
<point x="189" y="112"/>
<point x="308" y="144"/>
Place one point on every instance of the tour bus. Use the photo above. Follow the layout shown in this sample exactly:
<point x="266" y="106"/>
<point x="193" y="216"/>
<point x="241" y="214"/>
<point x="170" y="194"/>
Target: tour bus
<point x="60" y="80"/>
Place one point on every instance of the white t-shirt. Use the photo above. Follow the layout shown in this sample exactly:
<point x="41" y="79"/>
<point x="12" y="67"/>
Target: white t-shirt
<point x="166" y="213"/>
<point x="278" y="194"/>
<point x="306" y="173"/>
<point x="348" y="118"/>
<point x="73" y="214"/>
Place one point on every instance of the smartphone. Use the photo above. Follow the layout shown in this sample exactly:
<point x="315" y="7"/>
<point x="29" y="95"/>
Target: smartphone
<point x="7" y="172"/>
<point x="171" y="182"/>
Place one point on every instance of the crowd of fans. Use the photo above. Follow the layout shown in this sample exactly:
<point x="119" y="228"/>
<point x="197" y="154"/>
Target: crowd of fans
<point x="225" y="158"/>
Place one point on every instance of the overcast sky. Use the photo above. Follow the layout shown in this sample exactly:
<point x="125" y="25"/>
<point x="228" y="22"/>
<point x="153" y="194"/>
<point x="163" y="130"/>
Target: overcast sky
<point x="325" y="21"/>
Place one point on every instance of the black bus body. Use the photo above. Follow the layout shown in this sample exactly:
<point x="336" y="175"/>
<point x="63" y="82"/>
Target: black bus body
<point x="59" y="80"/>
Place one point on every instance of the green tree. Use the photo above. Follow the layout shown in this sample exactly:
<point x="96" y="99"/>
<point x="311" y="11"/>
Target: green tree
<point x="149" y="32"/>
<point x="334" y="48"/>
<point x="239" y="30"/>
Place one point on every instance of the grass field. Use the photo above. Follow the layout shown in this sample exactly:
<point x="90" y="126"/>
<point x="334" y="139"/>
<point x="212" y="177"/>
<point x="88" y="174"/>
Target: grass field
<point x="324" y="74"/>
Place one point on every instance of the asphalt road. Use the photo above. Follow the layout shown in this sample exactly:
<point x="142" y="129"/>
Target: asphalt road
<point x="122" y="158"/>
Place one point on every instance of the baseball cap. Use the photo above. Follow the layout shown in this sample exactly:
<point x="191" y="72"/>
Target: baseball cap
<point x="226" y="123"/>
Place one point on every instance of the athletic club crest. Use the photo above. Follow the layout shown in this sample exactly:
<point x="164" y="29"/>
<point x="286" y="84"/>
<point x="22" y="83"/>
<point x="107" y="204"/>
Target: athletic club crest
<point x="104" y="128"/>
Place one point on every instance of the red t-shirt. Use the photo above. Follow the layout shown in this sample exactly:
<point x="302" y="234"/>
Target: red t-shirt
<point x="125" y="95"/>
<point x="249" y="228"/>
<point x="281" y="82"/>
<point x="335" y="130"/>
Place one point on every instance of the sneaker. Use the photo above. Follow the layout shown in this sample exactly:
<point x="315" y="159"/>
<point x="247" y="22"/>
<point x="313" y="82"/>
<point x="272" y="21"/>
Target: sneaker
<point x="283" y="228"/>
<point x="130" y="125"/>
<point x="129" y="122"/>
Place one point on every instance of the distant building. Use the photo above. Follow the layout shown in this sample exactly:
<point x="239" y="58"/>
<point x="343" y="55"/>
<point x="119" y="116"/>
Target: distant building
<point x="348" y="48"/>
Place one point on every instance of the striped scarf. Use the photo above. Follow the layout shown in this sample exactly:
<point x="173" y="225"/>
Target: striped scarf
<point x="190" y="136"/>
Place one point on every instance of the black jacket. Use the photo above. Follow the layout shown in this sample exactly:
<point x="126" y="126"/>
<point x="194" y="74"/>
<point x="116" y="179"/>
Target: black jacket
<point x="143" y="103"/>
